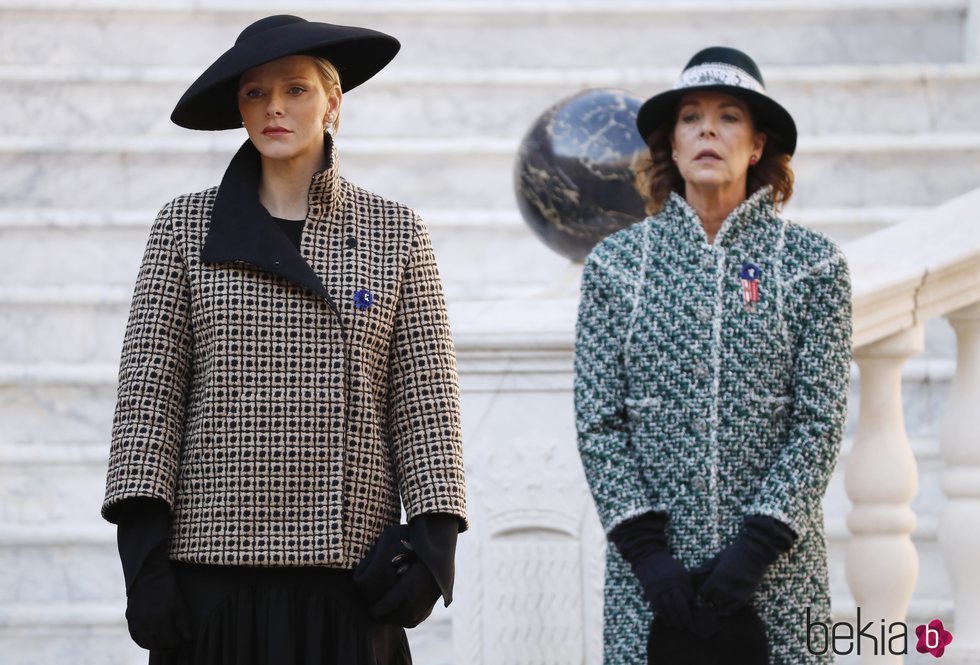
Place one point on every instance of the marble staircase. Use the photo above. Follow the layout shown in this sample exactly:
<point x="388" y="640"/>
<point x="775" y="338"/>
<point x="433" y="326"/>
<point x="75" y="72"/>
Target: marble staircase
<point x="881" y="89"/>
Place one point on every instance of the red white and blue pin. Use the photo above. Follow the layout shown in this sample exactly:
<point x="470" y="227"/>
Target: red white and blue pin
<point x="751" y="273"/>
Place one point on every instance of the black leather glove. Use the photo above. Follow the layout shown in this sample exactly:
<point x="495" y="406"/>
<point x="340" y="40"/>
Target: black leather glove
<point x="155" y="612"/>
<point x="409" y="568"/>
<point x="411" y="600"/>
<point x="642" y="542"/>
<point x="734" y="573"/>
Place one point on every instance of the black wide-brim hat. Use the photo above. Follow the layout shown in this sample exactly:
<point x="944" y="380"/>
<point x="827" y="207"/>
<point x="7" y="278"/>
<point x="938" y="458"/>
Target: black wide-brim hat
<point x="725" y="70"/>
<point x="357" y="53"/>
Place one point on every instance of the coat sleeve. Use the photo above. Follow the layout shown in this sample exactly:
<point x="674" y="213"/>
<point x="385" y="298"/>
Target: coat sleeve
<point x="423" y="404"/>
<point x="154" y="372"/>
<point x="795" y="485"/>
<point x="610" y="462"/>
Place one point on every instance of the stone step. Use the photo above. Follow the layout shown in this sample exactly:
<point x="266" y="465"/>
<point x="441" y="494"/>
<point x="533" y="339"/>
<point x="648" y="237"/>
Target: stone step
<point x="82" y="100"/>
<point x="53" y="484"/>
<point x="132" y="172"/>
<point x="485" y="34"/>
<point x="83" y="643"/>
<point x="57" y="403"/>
<point x="482" y="254"/>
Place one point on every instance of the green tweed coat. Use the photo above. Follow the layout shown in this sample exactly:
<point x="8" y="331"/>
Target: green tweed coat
<point x="711" y="383"/>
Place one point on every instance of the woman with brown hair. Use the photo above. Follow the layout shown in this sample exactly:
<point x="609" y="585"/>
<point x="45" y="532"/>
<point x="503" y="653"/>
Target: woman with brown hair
<point x="287" y="384"/>
<point x="712" y="364"/>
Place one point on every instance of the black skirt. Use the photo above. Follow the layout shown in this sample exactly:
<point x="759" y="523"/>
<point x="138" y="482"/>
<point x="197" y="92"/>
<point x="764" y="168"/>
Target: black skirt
<point x="279" y="616"/>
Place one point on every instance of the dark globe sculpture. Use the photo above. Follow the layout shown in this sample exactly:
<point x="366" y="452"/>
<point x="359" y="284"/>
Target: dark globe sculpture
<point x="575" y="177"/>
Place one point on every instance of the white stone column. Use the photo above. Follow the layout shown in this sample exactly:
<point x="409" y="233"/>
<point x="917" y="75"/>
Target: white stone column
<point x="959" y="527"/>
<point x="881" y="480"/>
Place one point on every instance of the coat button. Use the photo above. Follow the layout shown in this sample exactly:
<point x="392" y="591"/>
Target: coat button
<point x="708" y="261"/>
<point x="704" y="314"/>
<point x="701" y="370"/>
<point x="699" y="484"/>
<point x="700" y="426"/>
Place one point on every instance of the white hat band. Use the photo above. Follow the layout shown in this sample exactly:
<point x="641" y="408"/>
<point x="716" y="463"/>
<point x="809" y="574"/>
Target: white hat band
<point x="718" y="73"/>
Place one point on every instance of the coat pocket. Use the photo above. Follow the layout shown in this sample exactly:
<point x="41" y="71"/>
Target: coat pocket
<point x="640" y="409"/>
<point x="774" y="406"/>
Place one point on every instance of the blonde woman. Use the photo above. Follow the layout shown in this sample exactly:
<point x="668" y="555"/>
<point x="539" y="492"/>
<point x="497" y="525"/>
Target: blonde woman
<point x="287" y="382"/>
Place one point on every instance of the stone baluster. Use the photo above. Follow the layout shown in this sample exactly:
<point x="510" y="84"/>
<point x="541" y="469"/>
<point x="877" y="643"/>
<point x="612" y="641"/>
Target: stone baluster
<point x="881" y="480"/>
<point x="959" y="528"/>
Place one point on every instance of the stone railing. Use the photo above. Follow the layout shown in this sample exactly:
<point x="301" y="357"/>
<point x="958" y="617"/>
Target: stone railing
<point x="925" y="267"/>
<point x="533" y="563"/>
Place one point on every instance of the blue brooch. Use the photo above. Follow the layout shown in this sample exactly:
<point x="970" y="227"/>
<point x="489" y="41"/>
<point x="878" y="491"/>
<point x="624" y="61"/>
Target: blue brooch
<point x="750" y="274"/>
<point x="363" y="299"/>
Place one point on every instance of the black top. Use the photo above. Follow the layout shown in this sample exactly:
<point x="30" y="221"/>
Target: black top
<point x="293" y="228"/>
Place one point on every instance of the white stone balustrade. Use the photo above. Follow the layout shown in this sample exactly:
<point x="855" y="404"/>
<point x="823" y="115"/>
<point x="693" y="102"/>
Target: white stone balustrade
<point x="881" y="480"/>
<point x="959" y="531"/>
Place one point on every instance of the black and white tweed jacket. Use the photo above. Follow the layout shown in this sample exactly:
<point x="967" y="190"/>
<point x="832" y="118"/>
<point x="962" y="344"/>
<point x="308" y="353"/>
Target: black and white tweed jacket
<point x="283" y="401"/>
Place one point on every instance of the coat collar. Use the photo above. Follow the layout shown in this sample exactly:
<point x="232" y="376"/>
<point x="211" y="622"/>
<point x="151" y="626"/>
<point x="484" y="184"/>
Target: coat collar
<point x="756" y="207"/>
<point x="242" y="229"/>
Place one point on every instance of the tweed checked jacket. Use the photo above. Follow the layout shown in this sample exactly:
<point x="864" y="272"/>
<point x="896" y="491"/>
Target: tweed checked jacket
<point x="694" y="400"/>
<point x="282" y="401"/>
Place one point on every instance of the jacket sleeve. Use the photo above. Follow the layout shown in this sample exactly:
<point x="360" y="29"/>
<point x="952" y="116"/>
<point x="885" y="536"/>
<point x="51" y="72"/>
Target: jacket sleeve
<point x="154" y="372"/>
<point x="795" y="485"/>
<point x="423" y="403"/>
<point x="610" y="461"/>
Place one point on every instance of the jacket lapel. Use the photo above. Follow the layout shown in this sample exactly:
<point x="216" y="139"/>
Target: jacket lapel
<point x="243" y="230"/>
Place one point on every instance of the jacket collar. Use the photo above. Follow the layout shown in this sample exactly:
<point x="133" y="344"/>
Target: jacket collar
<point x="242" y="229"/>
<point x="752" y="210"/>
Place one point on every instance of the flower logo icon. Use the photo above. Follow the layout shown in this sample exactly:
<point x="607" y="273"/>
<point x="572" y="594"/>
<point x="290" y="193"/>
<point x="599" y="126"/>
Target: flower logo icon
<point x="933" y="638"/>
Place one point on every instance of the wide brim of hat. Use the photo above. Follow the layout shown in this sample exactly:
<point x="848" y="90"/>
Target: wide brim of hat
<point x="769" y="115"/>
<point x="210" y="103"/>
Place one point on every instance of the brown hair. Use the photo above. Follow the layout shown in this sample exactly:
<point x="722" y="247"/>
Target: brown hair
<point x="657" y="175"/>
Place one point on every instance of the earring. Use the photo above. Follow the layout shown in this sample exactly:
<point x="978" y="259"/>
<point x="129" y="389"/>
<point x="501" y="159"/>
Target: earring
<point x="753" y="160"/>
<point x="674" y="156"/>
<point x="328" y="128"/>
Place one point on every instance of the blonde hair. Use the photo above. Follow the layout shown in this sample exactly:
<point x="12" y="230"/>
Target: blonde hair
<point x="330" y="78"/>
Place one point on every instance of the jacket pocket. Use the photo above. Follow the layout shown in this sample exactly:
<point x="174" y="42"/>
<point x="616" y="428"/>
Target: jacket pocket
<point x="639" y="409"/>
<point x="775" y="406"/>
